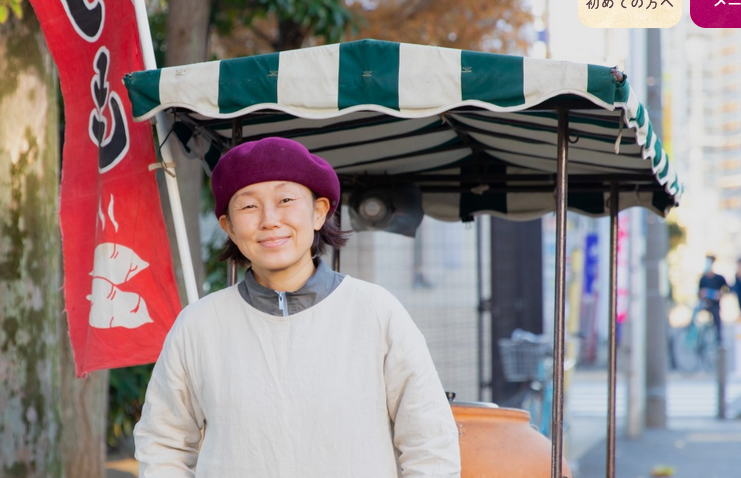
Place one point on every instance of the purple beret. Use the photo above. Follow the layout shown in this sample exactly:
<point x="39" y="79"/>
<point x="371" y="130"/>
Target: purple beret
<point x="272" y="159"/>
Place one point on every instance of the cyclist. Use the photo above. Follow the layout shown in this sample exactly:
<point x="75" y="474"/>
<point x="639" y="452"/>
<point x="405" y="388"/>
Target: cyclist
<point x="736" y="287"/>
<point x="711" y="289"/>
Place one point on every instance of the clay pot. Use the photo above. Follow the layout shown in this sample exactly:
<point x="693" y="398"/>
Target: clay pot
<point x="500" y="443"/>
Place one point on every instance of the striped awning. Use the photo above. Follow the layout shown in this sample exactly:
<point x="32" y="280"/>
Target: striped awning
<point x="477" y="131"/>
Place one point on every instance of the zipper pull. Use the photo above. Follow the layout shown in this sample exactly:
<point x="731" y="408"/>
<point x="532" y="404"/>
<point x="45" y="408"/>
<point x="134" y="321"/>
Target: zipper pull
<point x="282" y="303"/>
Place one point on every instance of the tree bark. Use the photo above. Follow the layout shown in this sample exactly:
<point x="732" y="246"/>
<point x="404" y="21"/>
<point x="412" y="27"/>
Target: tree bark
<point x="187" y="31"/>
<point x="187" y="40"/>
<point x="83" y="411"/>
<point x="54" y="425"/>
<point x="29" y="255"/>
<point x="290" y="35"/>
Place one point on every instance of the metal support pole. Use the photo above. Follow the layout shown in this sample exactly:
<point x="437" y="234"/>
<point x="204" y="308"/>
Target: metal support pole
<point x="721" y="380"/>
<point x="481" y="308"/>
<point x="231" y="272"/>
<point x="189" y="277"/>
<point x="336" y="252"/>
<point x="236" y="131"/>
<point x="231" y="266"/>
<point x="560" y="299"/>
<point x="612" y="359"/>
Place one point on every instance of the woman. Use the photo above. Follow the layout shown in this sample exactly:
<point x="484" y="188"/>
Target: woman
<point x="297" y="371"/>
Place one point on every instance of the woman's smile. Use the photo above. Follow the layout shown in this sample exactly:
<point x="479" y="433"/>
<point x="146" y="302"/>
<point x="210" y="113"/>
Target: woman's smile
<point x="273" y="242"/>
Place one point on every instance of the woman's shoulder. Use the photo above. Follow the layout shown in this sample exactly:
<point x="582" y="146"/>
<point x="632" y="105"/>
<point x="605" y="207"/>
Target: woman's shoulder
<point x="374" y="302"/>
<point x="354" y="284"/>
<point x="207" y="306"/>
<point x="376" y="296"/>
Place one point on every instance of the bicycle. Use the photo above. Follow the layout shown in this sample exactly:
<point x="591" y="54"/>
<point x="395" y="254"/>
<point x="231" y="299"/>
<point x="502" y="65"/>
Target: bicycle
<point x="695" y="346"/>
<point x="528" y="359"/>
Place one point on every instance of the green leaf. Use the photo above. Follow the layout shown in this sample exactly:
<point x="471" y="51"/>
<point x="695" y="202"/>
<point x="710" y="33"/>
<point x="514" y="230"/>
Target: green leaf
<point x="16" y="7"/>
<point x="3" y="13"/>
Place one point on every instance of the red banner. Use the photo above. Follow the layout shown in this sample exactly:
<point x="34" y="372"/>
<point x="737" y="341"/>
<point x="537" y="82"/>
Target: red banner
<point x="120" y="291"/>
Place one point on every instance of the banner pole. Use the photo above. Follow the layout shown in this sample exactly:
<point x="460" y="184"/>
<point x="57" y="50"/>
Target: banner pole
<point x="173" y="192"/>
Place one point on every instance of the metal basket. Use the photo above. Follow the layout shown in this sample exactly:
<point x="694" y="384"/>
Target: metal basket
<point x="520" y="359"/>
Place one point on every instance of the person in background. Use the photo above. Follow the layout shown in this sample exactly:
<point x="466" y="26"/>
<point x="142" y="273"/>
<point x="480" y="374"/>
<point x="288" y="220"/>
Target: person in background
<point x="710" y="291"/>
<point x="736" y="287"/>
<point x="297" y="371"/>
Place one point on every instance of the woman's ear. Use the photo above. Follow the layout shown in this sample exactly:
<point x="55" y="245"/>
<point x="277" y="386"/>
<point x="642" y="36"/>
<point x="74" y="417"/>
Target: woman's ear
<point x="226" y="224"/>
<point x="321" y="208"/>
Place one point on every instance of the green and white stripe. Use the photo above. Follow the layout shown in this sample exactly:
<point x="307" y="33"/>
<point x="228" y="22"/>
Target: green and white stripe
<point x="395" y="78"/>
<point x="373" y="107"/>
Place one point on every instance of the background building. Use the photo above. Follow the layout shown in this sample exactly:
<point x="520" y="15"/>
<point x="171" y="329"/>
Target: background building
<point x="703" y="68"/>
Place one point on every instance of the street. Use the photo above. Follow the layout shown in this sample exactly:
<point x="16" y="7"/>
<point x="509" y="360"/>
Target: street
<point x="695" y="443"/>
<point x="687" y="396"/>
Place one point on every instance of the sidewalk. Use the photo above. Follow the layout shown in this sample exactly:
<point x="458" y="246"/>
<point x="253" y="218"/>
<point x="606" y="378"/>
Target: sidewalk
<point x="120" y="463"/>
<point x="690" y="447"/>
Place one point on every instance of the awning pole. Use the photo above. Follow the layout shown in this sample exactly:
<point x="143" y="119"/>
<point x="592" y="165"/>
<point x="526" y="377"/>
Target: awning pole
<point x="336" y="251"/>
<point x="560" y="298"/>
<point x="612" y="359"/>
<point x="189" y="276"/>
<point x="232" y="273"/>
<point x="482" y="306"/>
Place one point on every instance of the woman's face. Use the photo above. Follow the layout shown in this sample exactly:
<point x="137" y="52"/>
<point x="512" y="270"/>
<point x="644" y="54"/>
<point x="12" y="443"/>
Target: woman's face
<point x="273" y="224"/>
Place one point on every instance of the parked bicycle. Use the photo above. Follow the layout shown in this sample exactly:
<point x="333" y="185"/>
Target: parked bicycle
<point x="527" y="359"/>
<point x="695" y="346"/>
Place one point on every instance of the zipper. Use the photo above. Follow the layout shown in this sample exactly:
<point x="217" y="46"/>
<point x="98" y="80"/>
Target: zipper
<point x="282" y="303"/>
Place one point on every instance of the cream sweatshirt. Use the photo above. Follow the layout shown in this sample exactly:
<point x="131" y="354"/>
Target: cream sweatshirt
<point x="343" y="389"/>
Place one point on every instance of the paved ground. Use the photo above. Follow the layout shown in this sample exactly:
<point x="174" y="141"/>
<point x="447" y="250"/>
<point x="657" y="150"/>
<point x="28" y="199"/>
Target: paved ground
<point x="126" y="468"/>
<point x="121" y="463"/>
<point x="689" y="448"/>
<point x="695" y="443"/>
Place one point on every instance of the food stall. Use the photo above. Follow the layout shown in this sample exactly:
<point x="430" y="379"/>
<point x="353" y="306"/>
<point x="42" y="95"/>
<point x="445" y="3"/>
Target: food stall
<point x="452" y="133"/>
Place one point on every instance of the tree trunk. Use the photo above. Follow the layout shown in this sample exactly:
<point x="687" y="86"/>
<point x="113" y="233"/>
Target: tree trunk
<point x="29" y="255"/>
<point x="187" y="31"/>
<point x="84" y="407"/>
<point x="290" y="35"/>
<point x="187" y="40"/>
<point x="54" y="425"/>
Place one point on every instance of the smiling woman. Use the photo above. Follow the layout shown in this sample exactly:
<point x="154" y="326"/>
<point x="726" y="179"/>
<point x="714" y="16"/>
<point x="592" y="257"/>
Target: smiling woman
<point x="297" y="370"/>
<point x="273" y="225"/>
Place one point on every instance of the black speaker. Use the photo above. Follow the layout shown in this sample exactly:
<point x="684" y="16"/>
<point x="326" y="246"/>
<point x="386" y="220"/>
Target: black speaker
<point x="394" y="208"/>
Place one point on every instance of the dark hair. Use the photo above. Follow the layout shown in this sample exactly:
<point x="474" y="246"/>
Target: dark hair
<point x="330" y="235"/>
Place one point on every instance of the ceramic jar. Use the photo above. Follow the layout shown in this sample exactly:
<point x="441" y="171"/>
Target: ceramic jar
<point x="500" y="443"/>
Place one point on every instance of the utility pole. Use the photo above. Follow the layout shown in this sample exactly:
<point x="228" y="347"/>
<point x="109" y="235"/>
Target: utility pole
<point x="633" y="332"/>
<point x="657" y="245"/>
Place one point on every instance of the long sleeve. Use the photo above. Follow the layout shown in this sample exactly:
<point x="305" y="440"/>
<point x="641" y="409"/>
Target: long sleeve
<point x="345" y="388"/>
<point x="168" y="435"/>
<point x="425" y="433"/>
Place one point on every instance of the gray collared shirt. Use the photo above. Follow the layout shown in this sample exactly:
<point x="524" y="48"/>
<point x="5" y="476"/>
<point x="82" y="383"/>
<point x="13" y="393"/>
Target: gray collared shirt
<point x="317" y="288"/>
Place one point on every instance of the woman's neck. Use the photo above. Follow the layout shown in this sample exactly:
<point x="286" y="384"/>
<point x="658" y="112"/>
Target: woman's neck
<point x="285" y="280"/>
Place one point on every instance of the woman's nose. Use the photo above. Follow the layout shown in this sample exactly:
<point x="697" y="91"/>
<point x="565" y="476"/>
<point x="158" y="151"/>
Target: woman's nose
<point x="269" y="218"/>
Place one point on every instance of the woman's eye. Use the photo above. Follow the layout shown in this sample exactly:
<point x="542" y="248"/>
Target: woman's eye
<point x="286" y="200"/>
<point x="249" y="206"/>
